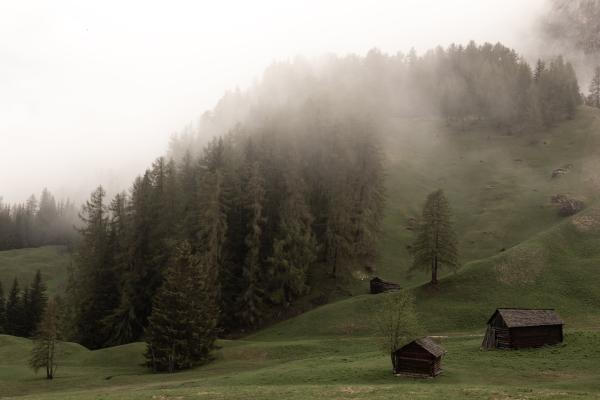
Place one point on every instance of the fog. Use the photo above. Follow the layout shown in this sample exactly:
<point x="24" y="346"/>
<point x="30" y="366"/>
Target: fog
<point x="90" y="94"/>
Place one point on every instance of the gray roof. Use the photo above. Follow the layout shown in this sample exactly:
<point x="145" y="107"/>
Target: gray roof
<point x="432" y="347"/>
<point x="515" y="317"/>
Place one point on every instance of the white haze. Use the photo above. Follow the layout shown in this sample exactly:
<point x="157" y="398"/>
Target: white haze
<point x="91" y="91"/>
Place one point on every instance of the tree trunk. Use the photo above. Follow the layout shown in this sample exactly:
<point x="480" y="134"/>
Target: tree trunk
<point x="434" y="270"/>
<point x="334" y="269"/>
<point x="393" y="357"/>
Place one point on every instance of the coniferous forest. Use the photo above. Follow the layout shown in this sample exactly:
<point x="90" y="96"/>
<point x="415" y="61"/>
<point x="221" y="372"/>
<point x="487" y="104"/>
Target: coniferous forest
<point x="37" y="223"/>
<point x="226" y="234"/>
<point x="291" y="192"/>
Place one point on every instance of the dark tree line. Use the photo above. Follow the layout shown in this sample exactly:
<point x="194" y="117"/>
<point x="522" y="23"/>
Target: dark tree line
<point x="37" y="223"/>
<point x="21" y="310"/>
<point x="226" y="237"/>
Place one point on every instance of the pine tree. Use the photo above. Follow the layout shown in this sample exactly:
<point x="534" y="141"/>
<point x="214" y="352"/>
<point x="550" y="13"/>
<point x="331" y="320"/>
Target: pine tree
<point x="294" y="247"/>
<point x="594" y="97"/>
<point x="188" y="204"/>
<point x="121" y="325"/>
<point x="95" y="293"/>
<point x="2" y="311"/>
<point x="14" y="311"/>
<point x="37" y="303"/>
<point x="251" y="301"/>
<point x="212" y="234"/>
<point x="368" y="197"/>
<point x="540" y="67"/>
<point x="436" y="243"/>
<point x="45" y="343"/>
<point x="182" y="327"/>
<point x="339" y="230"/>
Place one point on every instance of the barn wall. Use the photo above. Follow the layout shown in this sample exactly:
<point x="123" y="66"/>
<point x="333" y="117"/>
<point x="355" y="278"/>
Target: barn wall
<point x="535" y="336"/>
<point x="416" y="361"/>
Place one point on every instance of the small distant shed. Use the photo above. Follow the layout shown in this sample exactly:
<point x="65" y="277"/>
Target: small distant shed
<point x="378" y="285"/>
<point x="420" y="358"/>
<point x="516" y="328"/>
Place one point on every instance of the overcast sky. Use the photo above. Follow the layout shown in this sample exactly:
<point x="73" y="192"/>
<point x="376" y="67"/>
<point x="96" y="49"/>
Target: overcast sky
<point x="91" y="91"/>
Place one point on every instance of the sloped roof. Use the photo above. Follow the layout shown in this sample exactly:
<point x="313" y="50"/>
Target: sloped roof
<point x="517" y="317"/>
<point x="428" y="345"/>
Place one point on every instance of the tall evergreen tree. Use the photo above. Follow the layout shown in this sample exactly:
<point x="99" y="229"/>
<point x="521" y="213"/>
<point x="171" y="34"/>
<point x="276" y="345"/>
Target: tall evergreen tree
<point x="436" y="244"/>
<point x="2" y="310"/>
<point x="95" y="293"/>
<point x="182" y="326"/>
<point x="121" y="324"/>
<point x="37" y="303"/>
<point x="251" y="301"/>
<point x="540" y="67"/>
<point x="14" y="311"/>
<point x="368" y="197"/>
<point x="294" y="247"/>
<point x="212" y="234"/>
<point x="594" y="96"/>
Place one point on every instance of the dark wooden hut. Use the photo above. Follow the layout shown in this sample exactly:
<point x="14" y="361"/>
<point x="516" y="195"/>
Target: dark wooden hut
<point x="420" y="358"/>
<point x="378" y="285"/>
<point x="514" y="328"/>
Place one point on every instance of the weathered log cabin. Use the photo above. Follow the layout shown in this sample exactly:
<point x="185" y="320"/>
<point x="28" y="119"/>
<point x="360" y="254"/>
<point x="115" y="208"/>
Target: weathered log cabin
<point x="378" y="285"/>
<point x="420" y="358"/>
<point x="513" y="328"/>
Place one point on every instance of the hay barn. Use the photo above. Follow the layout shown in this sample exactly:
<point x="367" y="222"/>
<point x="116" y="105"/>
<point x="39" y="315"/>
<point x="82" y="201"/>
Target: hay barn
<point x="515" y="328"/>
<point x="419" y="358"/>
<point x="378" y="285"/>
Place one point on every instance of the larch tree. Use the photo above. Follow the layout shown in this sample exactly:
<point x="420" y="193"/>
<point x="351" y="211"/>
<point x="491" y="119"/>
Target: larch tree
<point x="46" y="340"/>
<point x="436" y="243"/>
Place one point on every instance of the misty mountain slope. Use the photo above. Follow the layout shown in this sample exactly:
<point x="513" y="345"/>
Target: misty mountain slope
<point x="52" y="261"/>
<point x="499" y="186"/>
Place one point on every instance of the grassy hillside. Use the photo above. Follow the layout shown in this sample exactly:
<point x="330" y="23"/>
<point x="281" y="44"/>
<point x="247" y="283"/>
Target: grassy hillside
<point x="499" y="186"/>
<point x="52" y="261"/>
<point x="340" y="368"/>
<point x="557" y="268"/>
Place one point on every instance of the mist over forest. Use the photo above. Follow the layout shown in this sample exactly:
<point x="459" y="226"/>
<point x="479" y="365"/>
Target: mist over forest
<point x="65" y="110"/>
<point x="285" y="206"/>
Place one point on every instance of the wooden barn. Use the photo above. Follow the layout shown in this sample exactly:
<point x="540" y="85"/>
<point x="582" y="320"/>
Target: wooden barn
<point x="378" y="285"/>
<point x="420" y="358"/>
<point x="515" y="328"/>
